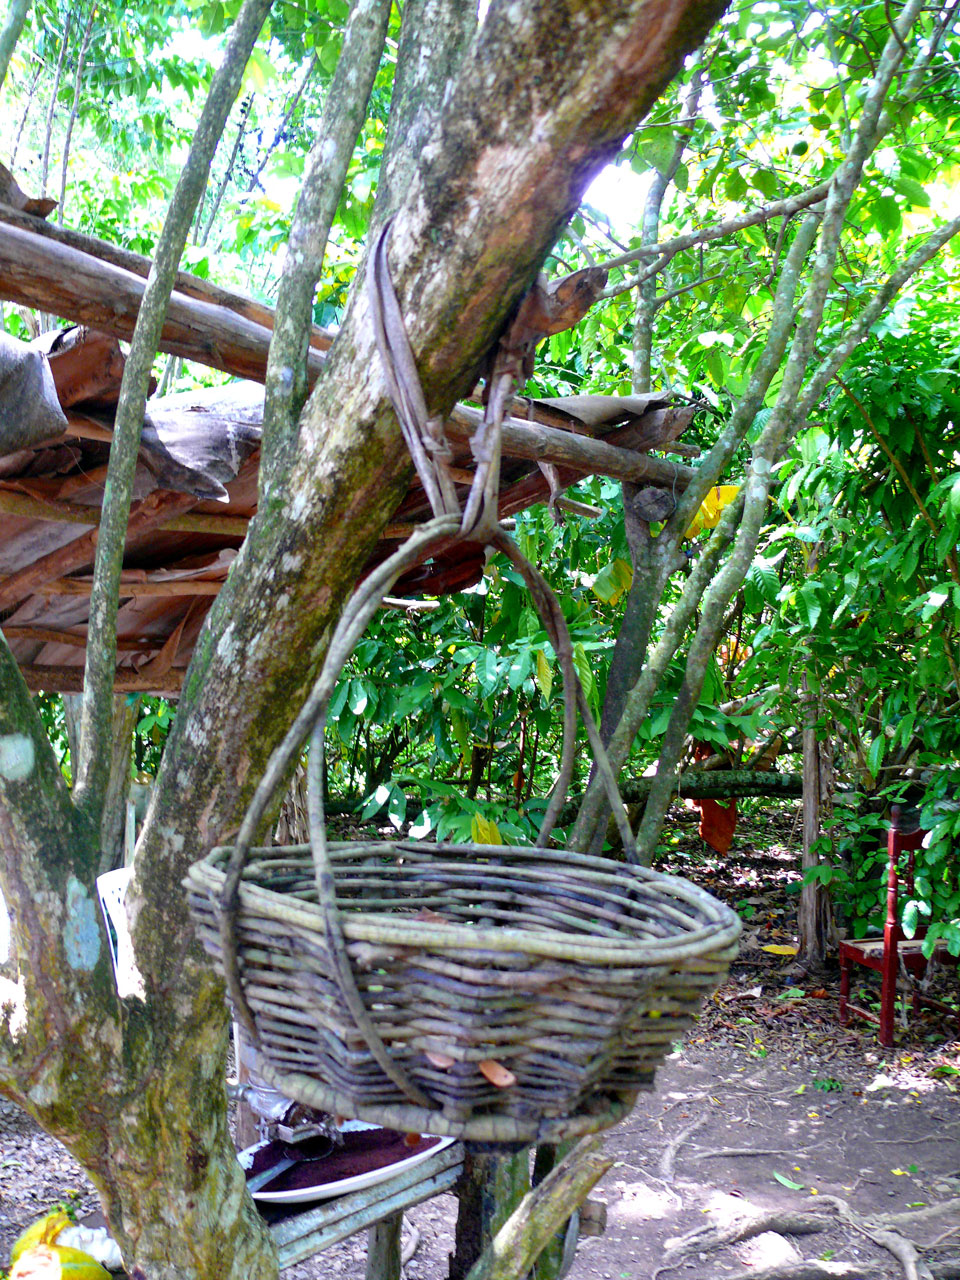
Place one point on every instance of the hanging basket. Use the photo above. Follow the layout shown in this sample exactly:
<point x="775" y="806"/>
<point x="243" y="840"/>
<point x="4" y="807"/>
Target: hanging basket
<point x="526" y="993"/>
<point x="493" y="993"/>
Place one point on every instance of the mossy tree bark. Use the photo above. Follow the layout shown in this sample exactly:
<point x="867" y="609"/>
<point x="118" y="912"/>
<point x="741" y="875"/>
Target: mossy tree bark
<point x="134" y="1087"/>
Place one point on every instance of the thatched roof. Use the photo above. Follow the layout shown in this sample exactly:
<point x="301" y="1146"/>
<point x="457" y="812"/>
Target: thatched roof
<point x="196" y="480"/>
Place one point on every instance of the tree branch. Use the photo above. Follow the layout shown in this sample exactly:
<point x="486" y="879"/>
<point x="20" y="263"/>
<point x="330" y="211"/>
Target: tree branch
<point x="670" y="248"/>
<point x="77" y="82"/>
<point x="434" y="36"/>
<point x="288" y="381"/>
<point x="10" y="34"/>
<point x="541" y="1213"/>
<point x="97" y="715"/>
<point x="51" y="109"/>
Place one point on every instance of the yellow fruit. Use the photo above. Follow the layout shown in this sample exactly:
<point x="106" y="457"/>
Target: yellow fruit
<point x="44" y="1231"/>
<point x="711" y="509"/>
<point x="56" y="1262"/>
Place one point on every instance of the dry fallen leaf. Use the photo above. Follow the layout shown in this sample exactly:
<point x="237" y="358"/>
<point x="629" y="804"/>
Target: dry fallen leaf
<point x="779" y="949"/>
<point x="497" y="1073"/>
<point x="430" y="917"/>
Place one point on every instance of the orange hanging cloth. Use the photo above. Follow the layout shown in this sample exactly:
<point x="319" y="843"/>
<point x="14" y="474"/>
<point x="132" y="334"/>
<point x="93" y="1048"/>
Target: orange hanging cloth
<point x="718" y="820"/>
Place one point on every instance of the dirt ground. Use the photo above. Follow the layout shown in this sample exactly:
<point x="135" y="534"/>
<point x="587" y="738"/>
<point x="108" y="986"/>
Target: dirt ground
<point x="769" y="1107"/>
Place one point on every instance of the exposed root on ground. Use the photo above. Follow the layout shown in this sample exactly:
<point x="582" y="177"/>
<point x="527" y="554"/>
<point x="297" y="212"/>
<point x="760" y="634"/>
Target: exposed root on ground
<point x="904" y="1235"/>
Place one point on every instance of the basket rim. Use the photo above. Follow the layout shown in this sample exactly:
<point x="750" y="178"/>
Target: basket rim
<point x="718" y="933"/>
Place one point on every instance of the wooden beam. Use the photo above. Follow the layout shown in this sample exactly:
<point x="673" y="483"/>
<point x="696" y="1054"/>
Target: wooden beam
<point x="153" y="510"/>
<point x="70" y="680"/>
<point x="138" y="590"/>
<point x="538" y="443"/>
<point x="20" y="504"/>
<point x="36" y="272"/>
<point x="190" y="285"/>
<point x="75" y="639"/>
<point x="95" y="283"/>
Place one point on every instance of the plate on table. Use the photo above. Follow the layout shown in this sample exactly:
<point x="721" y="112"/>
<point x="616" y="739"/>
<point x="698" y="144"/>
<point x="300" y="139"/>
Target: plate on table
<point x="342" y="1171"/>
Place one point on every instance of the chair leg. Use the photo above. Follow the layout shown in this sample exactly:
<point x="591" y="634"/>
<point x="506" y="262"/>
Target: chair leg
<point x="844" y="990"/>
<point x="888" y="999"/>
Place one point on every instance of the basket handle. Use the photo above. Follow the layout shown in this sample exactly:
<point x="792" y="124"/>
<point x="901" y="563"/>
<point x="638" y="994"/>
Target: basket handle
<point x="353" y="622"/>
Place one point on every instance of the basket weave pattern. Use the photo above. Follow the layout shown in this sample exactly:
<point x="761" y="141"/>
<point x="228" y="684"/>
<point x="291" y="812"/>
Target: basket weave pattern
<point x="573" y="973"/>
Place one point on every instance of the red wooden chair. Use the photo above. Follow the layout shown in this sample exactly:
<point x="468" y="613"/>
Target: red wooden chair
<point x="893" y="954"/>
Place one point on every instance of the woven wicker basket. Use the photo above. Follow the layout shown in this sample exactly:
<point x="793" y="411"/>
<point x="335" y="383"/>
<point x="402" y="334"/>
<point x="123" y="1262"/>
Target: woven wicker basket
<point x="500" y="994"/>
<point x="572" y="973"/>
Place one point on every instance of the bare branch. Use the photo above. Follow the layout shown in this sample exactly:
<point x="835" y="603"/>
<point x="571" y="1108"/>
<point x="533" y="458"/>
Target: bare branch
<point x="720" y="230"/>
<point x="97" y="715"/>
<point x="51" y="110"/>
<point x="78" y="80"/>
<point x="13" y="25"/>
<point x="287" y="380"/>
<point x="281" y="127"/>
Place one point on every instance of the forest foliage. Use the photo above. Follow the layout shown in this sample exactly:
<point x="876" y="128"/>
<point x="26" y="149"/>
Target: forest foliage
<point x="447" y="721"/>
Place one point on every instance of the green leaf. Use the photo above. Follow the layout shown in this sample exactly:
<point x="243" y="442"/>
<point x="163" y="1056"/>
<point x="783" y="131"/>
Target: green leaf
<point x="397" y="807"/>
<point x="488" y="672"/>
<point x="735" y="185"/>
<point x="875" y="753"/>
<point x="520" y="668"/>
<point x="785" y="1182"/>
<point x="808" y="604"/>
<point x="357" y="697"/>
<point x="584" y="670"/>
<point x="934" y="601"/>
<point x="544" y="675"/>
<point x="376" y="802"/>
<point x="885" y="213"/>
<point x="911" y="915"/>
<point x="765" y="182"/>
<point x="913" y="191"/>
<point x="330" y="56"/>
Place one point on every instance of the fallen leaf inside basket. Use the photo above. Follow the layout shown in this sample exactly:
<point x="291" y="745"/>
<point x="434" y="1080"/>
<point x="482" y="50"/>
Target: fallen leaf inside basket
<point x="497" y="1073"/>
<point x="430" y="917"/>
<point x="441" y="1060"/>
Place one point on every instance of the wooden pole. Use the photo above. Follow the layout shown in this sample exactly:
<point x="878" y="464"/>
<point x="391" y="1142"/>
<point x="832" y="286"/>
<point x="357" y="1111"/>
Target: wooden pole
<point x="70" y="680"/>
<point x="383" y="1248"/>
<point x="189" y="285"/>
<point x="35" y="272"/>
<point x="531" y="1227"/>
<point x="491" y="1187"/>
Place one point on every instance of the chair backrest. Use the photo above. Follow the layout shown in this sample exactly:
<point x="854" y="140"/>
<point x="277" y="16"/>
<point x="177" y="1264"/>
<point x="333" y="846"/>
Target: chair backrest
<point x="899" y="841"/>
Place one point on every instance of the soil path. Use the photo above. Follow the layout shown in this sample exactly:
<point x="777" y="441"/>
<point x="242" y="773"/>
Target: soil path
<point x="768" y="1106"/>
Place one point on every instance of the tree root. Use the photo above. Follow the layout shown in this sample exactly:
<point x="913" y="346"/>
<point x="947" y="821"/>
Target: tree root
<point x="785" y="1223"/>
<point x="727" y="1153"/>
<point x="810" y="1269"/>
<point x="893" y="1231"/>
<point x="674" y="1145"/>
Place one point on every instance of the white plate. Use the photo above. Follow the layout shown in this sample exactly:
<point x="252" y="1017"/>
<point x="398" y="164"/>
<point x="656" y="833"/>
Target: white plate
<point x="328" y="1190"/>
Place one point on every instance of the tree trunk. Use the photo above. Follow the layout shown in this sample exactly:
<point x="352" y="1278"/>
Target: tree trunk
<point x="126" y="709"/>
<point x="10" y="33"/>
<point x="815" y="924"/>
